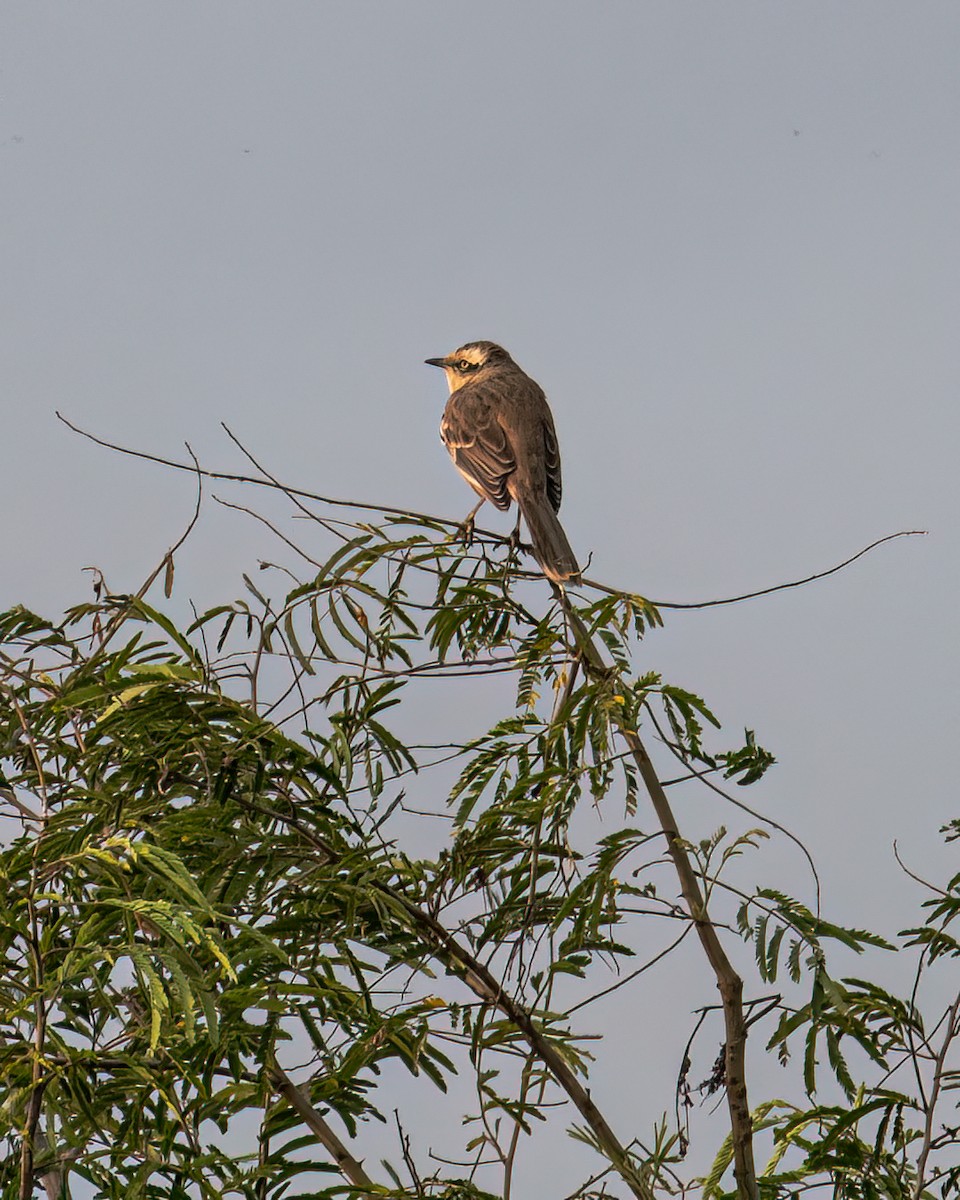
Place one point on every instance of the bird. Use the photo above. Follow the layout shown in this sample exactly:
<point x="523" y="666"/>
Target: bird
<point x="499" y="431"/>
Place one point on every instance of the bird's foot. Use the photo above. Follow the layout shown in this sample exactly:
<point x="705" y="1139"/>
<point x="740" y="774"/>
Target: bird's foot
<point x="466" y="531"/>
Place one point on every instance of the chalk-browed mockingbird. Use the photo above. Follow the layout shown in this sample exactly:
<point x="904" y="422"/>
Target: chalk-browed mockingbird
<point x="499" y="431"/>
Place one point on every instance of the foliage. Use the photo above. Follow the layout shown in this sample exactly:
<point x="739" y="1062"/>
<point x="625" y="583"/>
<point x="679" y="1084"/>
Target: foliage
<point x="226" y="910"/>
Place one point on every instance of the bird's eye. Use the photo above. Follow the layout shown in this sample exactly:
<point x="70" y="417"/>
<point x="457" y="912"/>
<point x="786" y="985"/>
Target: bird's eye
<point x="465" y="365"/>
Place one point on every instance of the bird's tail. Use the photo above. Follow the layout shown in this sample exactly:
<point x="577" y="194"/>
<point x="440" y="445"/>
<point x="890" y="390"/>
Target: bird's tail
<point x="550" y="545"/>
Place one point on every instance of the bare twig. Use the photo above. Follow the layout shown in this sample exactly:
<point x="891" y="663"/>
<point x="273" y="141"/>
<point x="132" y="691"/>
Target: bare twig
<point x="290" y="491"/>
<point x="408" y="1157"/>
<point x="629" y="978"/>
<point x="165" y="566"/>
<point x="767" y="591"/>
<point x="914" y="876"/>
<point x="682" y="1091"/>
<point x="701" y="776"/>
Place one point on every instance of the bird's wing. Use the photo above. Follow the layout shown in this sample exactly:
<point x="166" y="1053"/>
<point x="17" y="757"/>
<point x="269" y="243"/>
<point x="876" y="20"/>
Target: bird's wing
<point x="478" y="445"/>
<point x="551" y="449"/>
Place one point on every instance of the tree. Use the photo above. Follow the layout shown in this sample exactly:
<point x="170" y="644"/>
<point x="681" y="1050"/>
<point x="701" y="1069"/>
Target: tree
<point x="224" y="905"/>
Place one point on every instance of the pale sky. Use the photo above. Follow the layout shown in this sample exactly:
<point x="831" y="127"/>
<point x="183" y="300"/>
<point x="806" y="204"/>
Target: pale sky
<point x="723" y="237"/>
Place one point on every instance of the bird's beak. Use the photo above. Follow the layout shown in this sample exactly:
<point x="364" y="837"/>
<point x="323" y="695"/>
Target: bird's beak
<point x="435" y="362"/>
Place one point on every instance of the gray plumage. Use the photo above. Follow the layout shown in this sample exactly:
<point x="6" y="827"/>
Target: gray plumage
<point x="499" y="432"/>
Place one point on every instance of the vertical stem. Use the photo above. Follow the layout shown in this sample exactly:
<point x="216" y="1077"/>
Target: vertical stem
<point x="37" y="1084"/>
<point x="951" y="1033"/>
<point x="729" y="983"/>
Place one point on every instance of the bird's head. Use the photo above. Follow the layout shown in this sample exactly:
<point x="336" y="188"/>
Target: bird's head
<point x="474" y="361"/>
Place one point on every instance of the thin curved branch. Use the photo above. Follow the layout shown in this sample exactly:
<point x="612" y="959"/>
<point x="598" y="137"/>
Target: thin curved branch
<point x="237" y="478"/>
<point x="651" y="962"/>
<point x="938" y="891"/>
<point x="701" y="776"/>
<point x="445" y="523"/>
<point x="165" y="565"/>
<point x="782" y="587"/>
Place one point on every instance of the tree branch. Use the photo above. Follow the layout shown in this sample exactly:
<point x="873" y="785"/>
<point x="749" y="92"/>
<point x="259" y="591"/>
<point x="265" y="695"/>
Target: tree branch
<point x="268" y="483"/>
<point x="477" y="977"/>
<point x="729" y="983"/>
<point x="444" y="523"/>
<point x="488" y="988"/>
<point x="485" y="985"/>
<point x="348" y="1166"/>
<point x="949" y="1035"/>
<point x="767" y="591"/>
